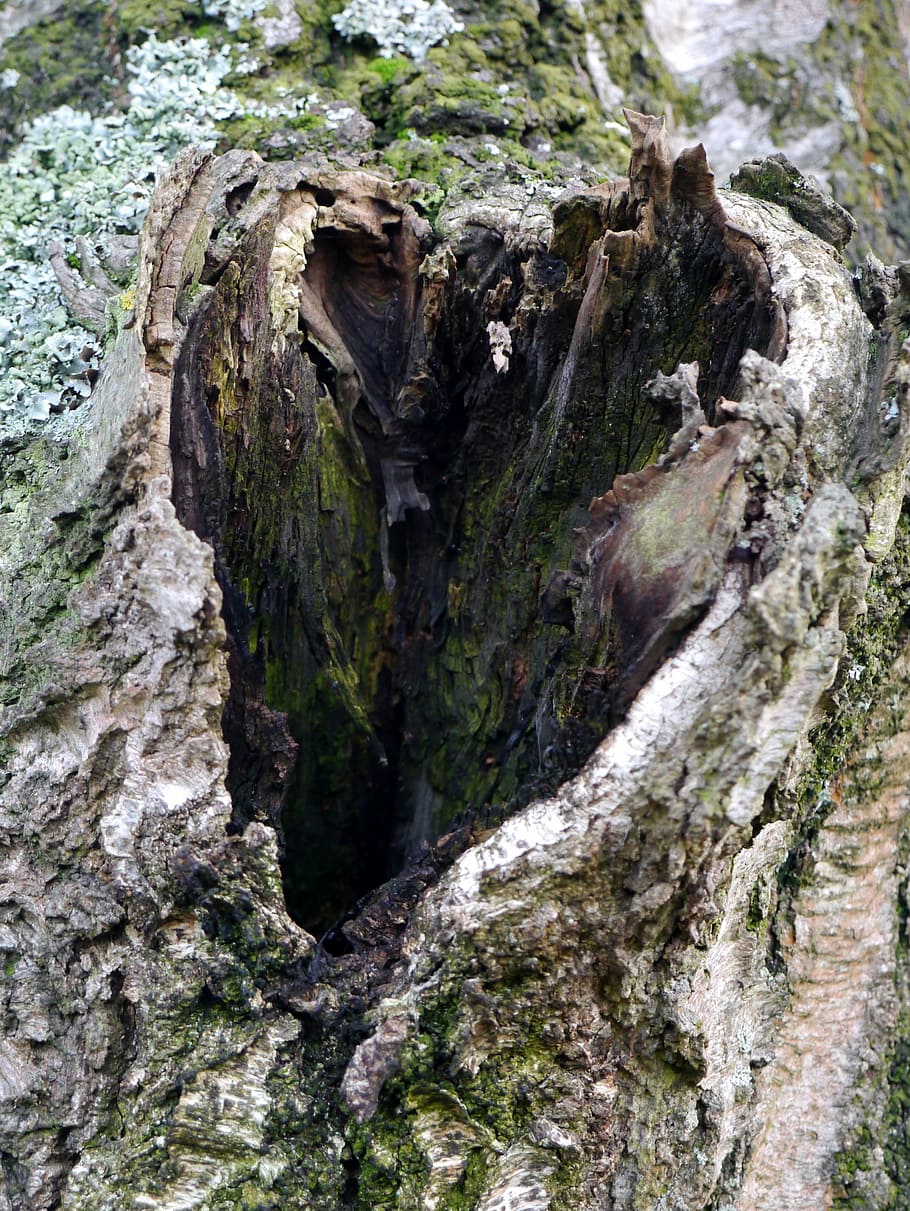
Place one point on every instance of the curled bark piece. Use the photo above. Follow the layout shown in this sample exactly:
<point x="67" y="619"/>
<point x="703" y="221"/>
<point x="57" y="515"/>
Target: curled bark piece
<point x="651" y="163"/>
<point x="693" y="183"/>
<point x="87" y="303"/>
<point x="679" y="390"/>
<point x="374" y="1061"/>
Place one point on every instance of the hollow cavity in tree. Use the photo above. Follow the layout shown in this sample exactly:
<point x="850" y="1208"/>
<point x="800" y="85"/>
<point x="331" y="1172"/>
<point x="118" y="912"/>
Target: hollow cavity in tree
<point x="428" y="624"/>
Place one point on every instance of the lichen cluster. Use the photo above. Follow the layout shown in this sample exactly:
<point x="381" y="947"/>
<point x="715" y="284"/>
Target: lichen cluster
<point x="76" y="174"/>
<point x="234" y="12"/>
<point x="399" y="27"/>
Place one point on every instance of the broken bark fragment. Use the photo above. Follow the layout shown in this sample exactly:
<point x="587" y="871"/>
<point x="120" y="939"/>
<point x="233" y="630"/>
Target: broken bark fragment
<point x="775" y="179"/>
<point x="86" y="294"/>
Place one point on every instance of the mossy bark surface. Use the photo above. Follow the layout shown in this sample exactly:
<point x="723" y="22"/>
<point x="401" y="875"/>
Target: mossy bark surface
<point x="531" y="91"/>
<point x="553" y="564"/>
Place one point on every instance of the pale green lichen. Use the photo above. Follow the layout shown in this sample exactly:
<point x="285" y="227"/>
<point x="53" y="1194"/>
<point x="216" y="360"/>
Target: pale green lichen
<point x="75" y="174"/>
<point x="399" y="27"/>
<point x="234" y="12"/>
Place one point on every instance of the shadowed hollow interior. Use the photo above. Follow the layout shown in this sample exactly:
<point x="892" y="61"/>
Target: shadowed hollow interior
<point x="399" y="518"/>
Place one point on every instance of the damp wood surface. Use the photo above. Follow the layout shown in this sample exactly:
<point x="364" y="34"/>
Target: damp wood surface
<point x="388" y="505"/>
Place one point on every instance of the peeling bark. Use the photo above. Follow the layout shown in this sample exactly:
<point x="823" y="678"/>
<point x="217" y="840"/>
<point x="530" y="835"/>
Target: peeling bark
<point x="555" y="573"/>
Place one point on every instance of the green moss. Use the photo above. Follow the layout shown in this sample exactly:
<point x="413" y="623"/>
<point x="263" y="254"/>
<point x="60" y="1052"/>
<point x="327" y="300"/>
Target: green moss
<point x="436" y="1098"/>
<point x="61" y="60"/>
<point x="439" y="101"/>
<point x="40" y="625"/>
<point x="755" y="913"/>
<point x="389" y="70"/>
<point x="169" y="19"/>
<point x="869" y="173"/>
<point x="849" y="1165"/>
<point x="275" y="140"/>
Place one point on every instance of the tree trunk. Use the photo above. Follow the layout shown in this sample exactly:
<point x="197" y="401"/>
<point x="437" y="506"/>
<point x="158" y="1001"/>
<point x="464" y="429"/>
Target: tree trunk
<point x="548" y="573"/>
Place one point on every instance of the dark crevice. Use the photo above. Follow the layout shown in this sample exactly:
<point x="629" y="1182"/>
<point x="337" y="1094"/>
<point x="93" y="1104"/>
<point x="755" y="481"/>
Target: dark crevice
<point x="391" y="518"/>
<point x="235" y="199"/>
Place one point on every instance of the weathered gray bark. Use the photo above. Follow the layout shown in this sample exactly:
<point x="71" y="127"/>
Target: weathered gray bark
<point x="672" y="980"/>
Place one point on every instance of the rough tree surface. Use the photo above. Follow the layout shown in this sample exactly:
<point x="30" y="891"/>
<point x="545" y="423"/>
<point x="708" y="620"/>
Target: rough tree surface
<point x="656" y="959"/>
<point x="454" y="665"/>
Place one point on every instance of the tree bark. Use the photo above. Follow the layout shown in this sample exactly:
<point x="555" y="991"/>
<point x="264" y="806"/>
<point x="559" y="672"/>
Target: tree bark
<point x="552" y="567"/>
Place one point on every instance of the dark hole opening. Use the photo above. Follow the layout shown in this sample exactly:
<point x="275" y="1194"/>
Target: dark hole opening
<point x="237" y="197"/>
